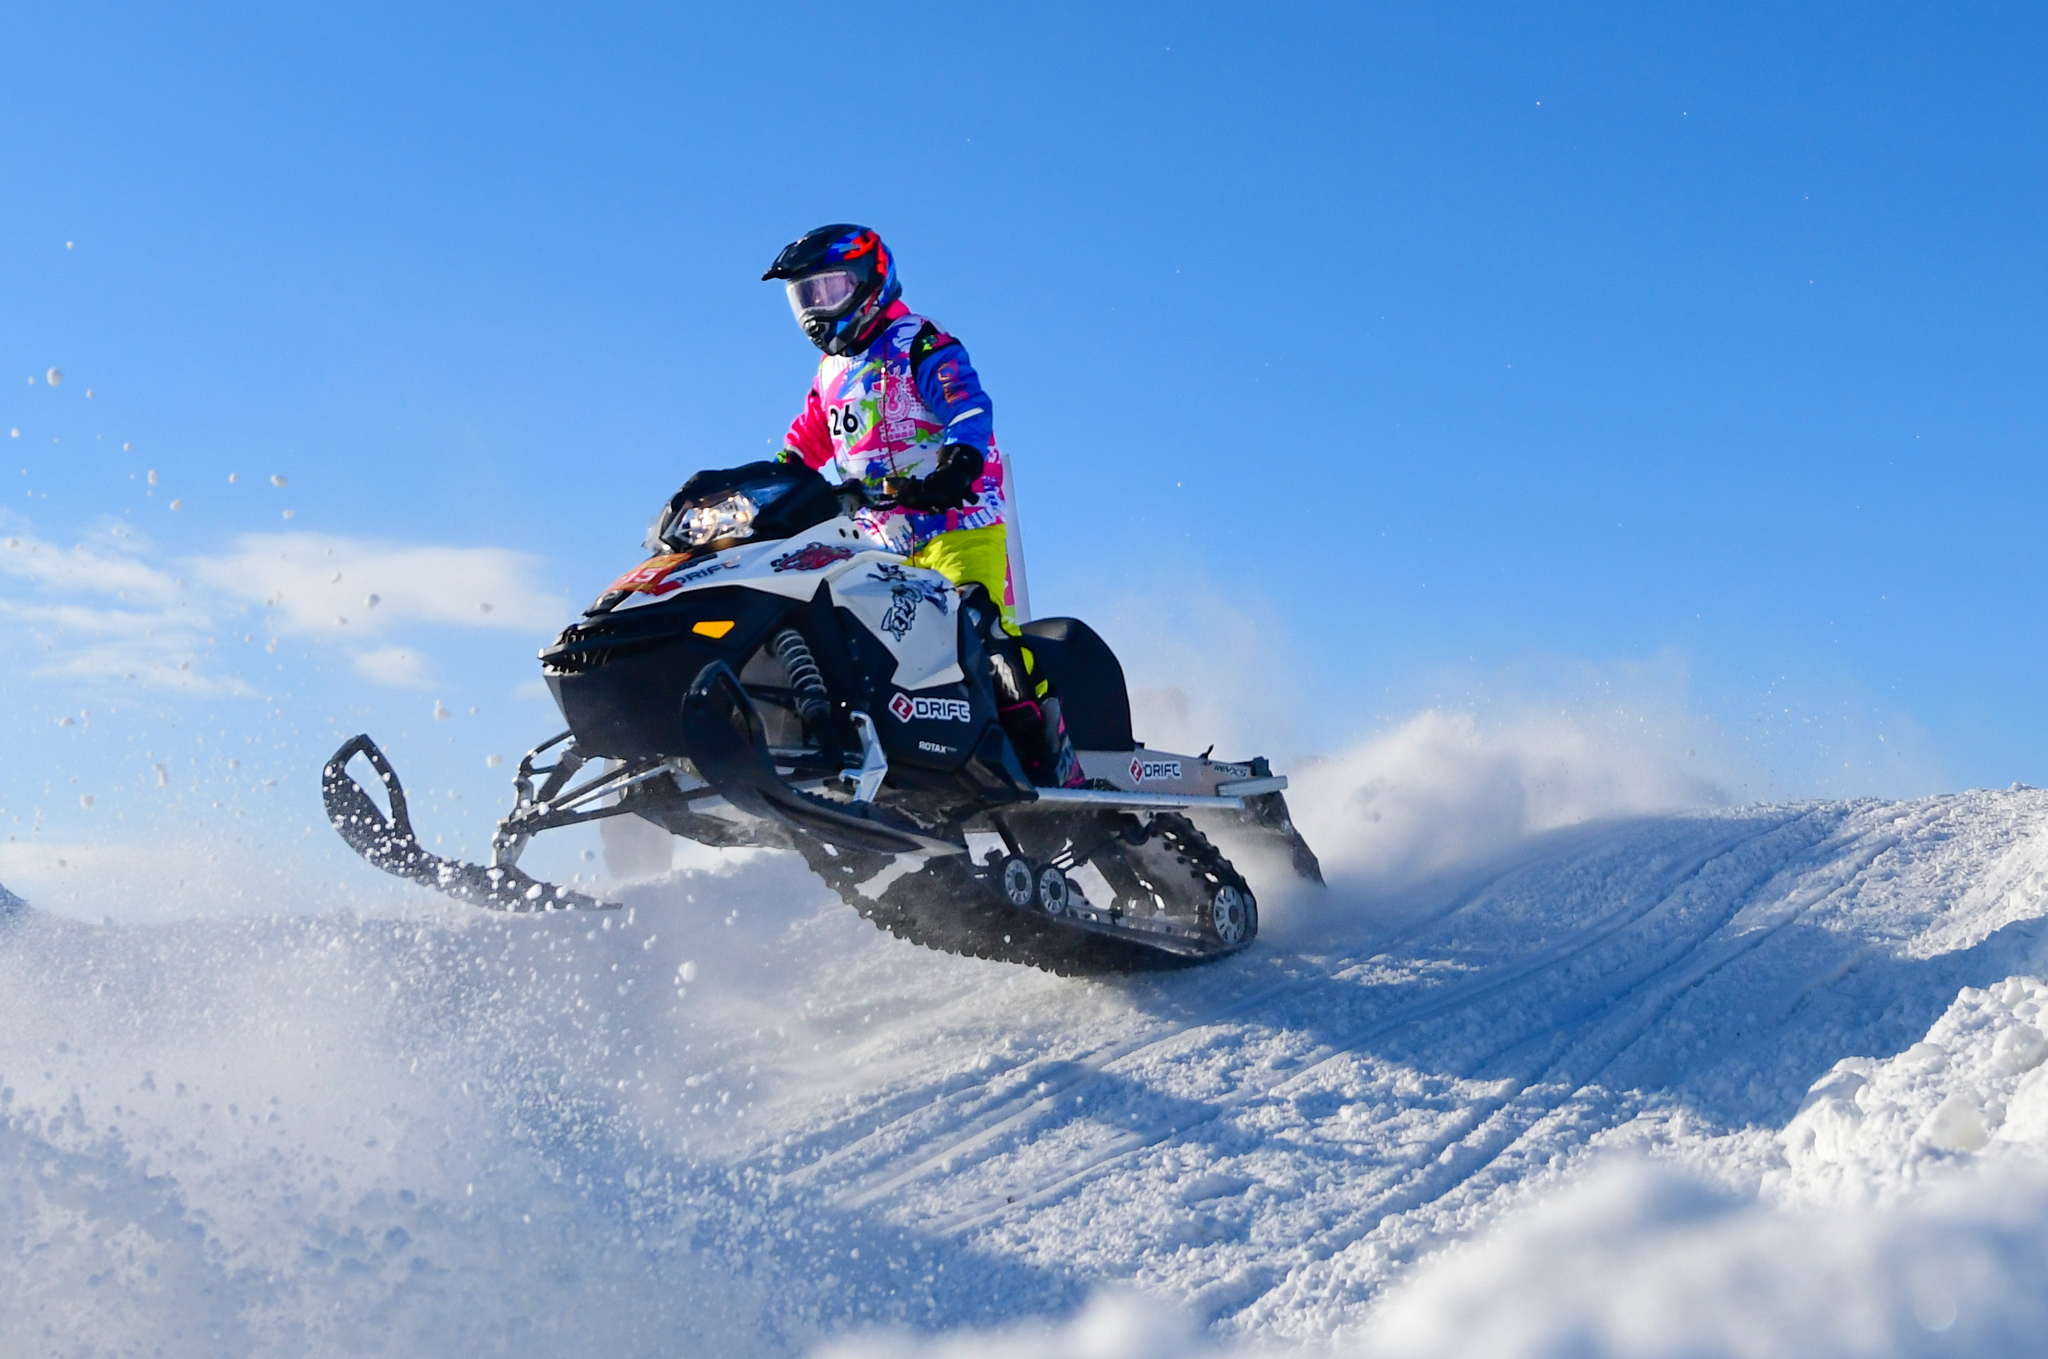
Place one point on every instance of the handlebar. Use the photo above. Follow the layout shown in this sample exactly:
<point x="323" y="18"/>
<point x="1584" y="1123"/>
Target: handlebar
<point x="854" y="495"/>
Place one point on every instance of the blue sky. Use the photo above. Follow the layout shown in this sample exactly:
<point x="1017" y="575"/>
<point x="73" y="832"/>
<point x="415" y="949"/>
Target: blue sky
<point x="1466" y="354"/>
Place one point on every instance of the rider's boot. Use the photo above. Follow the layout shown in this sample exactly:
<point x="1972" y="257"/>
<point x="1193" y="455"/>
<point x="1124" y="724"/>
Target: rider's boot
<point x="1030" y="714"/>
<point x="1066" y="764"/>
<point x="1043" y="747"/>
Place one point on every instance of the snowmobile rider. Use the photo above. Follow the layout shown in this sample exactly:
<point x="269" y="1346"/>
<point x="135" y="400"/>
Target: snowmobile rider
<point x="897" y="412"/>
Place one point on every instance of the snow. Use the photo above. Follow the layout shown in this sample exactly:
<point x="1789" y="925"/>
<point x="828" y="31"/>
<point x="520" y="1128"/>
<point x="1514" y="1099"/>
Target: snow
<point x="1755" y="1081"/>
<point x="1975" y="1087"/>
<point x="1640" y="1261"/>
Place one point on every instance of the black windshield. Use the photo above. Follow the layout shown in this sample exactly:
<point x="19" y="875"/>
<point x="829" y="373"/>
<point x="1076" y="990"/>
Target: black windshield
<point x="787" y="496"/>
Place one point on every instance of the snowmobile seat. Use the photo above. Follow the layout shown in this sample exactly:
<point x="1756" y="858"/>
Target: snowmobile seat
<point x="1089" y="681"/>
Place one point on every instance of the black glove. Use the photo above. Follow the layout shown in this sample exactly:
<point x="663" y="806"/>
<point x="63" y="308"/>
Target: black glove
<point x="853" y="496"/>
<point x="949" y="487"/>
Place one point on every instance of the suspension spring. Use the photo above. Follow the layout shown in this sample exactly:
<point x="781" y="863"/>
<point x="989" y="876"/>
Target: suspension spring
<point x="812" y="703"/>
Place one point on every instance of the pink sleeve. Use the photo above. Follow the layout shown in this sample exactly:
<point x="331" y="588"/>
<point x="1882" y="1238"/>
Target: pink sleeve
<point x="807" y="436"/>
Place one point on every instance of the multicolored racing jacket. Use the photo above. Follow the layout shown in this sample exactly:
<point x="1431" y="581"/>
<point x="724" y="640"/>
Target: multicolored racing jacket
<point x="888" y="411"/>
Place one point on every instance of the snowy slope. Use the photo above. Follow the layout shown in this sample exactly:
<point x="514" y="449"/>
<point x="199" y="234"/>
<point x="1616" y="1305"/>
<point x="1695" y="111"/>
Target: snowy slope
<point x="739" y="1121"/>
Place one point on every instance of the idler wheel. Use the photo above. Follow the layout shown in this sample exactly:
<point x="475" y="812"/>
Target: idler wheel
<point x="1053" y="891"/>
<point x="1016" y="880"/>
<point x="1233" y="915"/>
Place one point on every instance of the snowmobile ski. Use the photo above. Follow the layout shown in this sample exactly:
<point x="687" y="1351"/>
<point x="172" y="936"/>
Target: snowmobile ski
<point x="389" y="843"/>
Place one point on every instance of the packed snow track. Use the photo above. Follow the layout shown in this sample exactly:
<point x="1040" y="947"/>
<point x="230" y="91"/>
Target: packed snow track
<point x="738" y="1119"/>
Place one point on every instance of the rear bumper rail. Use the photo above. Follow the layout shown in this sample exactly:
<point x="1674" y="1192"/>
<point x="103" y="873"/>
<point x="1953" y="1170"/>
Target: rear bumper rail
<point x="1066" y="799"/>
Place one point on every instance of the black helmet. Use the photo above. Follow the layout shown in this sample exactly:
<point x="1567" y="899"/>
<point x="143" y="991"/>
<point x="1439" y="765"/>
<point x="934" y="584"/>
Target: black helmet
<point x="841" y="279"/>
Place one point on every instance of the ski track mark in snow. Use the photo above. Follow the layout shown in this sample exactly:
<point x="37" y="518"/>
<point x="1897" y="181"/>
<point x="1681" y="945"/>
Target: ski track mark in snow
<point x="1565" y="1091"/>
<point x="1550" y="1094"/>
<point x="1567" y="1105"/>
<point x="1063" y="1078"/>
<point x="1448" y="997"/>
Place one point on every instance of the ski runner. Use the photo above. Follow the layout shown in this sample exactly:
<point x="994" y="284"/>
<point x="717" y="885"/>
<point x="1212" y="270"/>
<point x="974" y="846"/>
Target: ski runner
<point x="897" y="412"/>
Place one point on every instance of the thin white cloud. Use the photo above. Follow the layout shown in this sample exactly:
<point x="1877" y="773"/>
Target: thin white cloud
<point x="83" y="569"/>
<point x="82" y="618"/>
<point x="128" y="663"/>
<point x="107" y="612"/>
<point x="319" y="584"/>
<point x="102" y="614"/>
<point x="396" y="667"/>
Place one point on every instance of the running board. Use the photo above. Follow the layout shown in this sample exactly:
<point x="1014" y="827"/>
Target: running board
<point x="1062" y="799"/>
<point x="724" y="738"/>
<point x="389" y="844"/>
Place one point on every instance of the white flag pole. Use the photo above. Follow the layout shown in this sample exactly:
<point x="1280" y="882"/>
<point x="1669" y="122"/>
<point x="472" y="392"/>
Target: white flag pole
<point x="1013" y="540"/>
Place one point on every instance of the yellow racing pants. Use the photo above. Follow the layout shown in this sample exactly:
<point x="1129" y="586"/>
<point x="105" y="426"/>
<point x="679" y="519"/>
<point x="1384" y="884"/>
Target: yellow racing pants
<point x="980" y="557"/>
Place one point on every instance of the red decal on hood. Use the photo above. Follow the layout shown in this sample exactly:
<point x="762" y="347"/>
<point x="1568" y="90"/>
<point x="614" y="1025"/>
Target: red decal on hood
<point x="648" y="575"/>
<point x="811" y="557"/>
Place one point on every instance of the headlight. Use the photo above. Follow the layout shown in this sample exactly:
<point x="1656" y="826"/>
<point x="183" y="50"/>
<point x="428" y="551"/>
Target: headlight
<point x="732" y="517"/>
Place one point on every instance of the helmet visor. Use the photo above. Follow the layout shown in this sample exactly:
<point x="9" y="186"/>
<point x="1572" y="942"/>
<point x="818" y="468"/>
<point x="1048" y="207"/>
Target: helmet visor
<point x="826" y="294"/>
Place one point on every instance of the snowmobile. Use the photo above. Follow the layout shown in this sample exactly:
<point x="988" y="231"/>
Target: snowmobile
<point x="774" y="675"/>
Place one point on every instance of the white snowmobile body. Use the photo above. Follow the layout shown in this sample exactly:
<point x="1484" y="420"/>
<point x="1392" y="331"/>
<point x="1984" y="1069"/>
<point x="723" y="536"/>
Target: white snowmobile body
<point x="787" y="680"/>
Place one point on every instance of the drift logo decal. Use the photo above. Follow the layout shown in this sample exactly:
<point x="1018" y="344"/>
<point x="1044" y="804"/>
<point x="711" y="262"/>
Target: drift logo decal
<point x="1144" y="771"/>
<point x="906" y="593"/>
<point x="647" y="575"/>
<point x="908" y="709"/>
<point x="811" y="557"/>
<point x="677" y="582"/>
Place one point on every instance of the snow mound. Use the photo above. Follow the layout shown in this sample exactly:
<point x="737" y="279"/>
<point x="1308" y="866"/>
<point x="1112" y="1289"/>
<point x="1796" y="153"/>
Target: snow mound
<point x="1641" y="1262"/>
<point x="1975" y="1086"/>
<point x="1111" y="1326"/>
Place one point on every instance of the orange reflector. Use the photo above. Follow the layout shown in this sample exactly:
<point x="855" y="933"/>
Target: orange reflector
<point x="711" y="629"/>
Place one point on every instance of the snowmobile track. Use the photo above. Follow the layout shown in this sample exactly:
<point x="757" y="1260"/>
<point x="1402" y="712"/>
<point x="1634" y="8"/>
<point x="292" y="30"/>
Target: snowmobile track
<point x="944" y="906"/>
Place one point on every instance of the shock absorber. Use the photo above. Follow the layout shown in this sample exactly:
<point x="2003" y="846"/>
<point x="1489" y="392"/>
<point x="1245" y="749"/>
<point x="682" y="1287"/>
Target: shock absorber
<point x="812" y="702"/>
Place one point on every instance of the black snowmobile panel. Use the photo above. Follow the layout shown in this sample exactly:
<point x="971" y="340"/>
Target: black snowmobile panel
<point x="1267" y="814"/>
<point x="1089" y="680"/>
<point x="936" y="728"/>
<point x="620" y="677"/>
<point x="728" y="746"/>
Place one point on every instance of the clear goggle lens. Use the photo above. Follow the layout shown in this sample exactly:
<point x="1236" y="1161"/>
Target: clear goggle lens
<point x="825" y="294"/>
